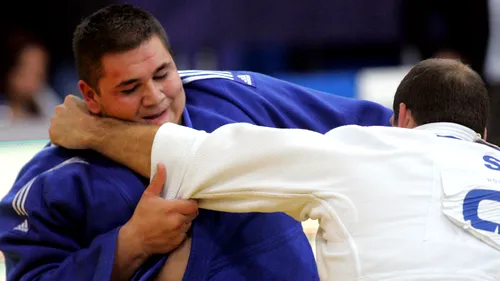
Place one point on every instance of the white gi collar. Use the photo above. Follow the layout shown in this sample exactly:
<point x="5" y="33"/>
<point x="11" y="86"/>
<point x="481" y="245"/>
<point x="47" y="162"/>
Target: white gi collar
<point x="451" y="130"/>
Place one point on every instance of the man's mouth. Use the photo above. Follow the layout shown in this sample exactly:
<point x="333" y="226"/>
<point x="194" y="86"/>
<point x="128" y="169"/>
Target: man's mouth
<point x="155" y="116"/>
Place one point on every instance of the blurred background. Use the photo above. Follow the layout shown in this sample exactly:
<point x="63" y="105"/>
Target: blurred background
<point x="355" y="48"/>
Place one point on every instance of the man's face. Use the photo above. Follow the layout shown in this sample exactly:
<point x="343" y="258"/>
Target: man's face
<point x="28" y="77"/>
<point x="141" y="85"/>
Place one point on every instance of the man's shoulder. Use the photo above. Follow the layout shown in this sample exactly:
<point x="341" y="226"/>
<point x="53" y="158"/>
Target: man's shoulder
<point x="73" y="178"/>
<point x="244" y="88"/>
<point x="375" y="130"/>
<point x="227" y="82"/>
<point x="55" y="157"/>
<point x="381" y="135"/>
<point x="236" y="77"/>
<point x="50" y="157"/>
<point x="73" y="182"/>
<point x="61" y="164"/>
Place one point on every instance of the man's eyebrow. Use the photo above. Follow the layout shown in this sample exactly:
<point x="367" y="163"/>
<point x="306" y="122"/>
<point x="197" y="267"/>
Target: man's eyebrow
<point x="127" y="82"/>
<point x="163" y="66"/>
<point x="135" y="80"/>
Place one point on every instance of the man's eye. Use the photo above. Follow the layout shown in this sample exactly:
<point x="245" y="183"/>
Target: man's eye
<point x="129" y="91"/>
<point x="161" y="77"/>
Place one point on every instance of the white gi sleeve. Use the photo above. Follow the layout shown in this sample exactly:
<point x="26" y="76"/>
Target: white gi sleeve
<point x="246" y="168"/>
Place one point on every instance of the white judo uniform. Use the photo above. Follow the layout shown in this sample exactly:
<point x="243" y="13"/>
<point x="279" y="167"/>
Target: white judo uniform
<point x="392" y="204"/>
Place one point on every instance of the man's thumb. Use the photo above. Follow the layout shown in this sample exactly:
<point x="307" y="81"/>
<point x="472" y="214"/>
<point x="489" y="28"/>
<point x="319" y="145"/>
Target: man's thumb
<point x="156" y="185"/>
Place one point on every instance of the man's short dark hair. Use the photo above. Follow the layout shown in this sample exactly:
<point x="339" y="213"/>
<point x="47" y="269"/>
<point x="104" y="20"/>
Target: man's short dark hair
<point x="113" y="29"/>
<point x="444" y="90"/>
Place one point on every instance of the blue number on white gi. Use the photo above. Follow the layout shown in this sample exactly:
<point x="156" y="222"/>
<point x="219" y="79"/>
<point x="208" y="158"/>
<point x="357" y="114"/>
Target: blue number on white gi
<point x="471" y="209"/>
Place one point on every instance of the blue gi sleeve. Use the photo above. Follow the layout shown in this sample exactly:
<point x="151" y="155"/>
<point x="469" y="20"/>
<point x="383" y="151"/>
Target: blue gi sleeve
<point x="294" y="106"/>
<point x="44" y="231"/>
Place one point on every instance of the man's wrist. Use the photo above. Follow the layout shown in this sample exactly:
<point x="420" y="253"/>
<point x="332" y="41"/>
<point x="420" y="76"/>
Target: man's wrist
<point x="133" y="244"/>
<point x="125" y="142"/>
<point x="129" y="257"/>
<point x="102" y="130"/>
<point x="94" y="133"/>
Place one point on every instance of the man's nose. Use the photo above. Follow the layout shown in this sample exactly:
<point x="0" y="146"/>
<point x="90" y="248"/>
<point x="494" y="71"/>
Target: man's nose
<point x="152" y="94"/>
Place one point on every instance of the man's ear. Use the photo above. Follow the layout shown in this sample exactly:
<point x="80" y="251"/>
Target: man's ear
<point x="405" y="117"/>
<point x="402" y="116"/>
<point x="90" y="96"/>
<point x="485" y="134"/>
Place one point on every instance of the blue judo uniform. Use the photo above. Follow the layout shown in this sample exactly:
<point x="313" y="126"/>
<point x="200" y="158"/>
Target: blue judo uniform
<point x="61" y="218"/>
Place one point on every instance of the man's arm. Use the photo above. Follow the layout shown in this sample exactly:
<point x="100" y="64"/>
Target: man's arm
<point x="124" y="142"/>
<point x="247" y="168"/>
<point x="241" y="155"/>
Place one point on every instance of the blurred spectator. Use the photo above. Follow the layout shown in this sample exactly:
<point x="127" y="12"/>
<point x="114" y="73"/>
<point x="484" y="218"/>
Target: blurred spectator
<point x="448" y="29"/>
<point x="492" y="71"/>
<point x="24" y="91"/>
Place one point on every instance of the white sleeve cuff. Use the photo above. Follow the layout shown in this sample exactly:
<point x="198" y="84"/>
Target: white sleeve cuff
<point x="173" y="146"/>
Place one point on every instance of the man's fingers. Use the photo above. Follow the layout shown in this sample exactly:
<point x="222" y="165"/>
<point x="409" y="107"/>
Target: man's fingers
<point x="80" y="103"/>
<point x="72" y="98"/>
<point x="175" y="222"/>
<point x="156" y="185"/>
<point x="69" y="99"/>
<point x="185" y="207"/>
<point x="185" y="227"/>
<point x="177" y="241"/>
<point x="191" y="217"/>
